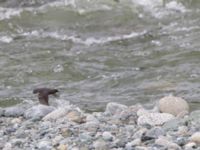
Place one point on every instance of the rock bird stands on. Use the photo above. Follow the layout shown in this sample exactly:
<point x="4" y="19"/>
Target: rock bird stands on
<point x="43" y="94"/>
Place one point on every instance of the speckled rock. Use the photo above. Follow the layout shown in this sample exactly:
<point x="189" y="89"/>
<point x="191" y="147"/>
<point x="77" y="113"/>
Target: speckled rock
<point x="44" y="145"/>
<point x="173" y="105"/>
<point x="142" y="112"/>
<point x="38" y="111"/>
<point x="62" y="147"/>
<point x="154" y="119"/>
<point x="57" y="139"/>
<point x="16" y="120"/>
<point x="100" y="145"/>
<point x="140" y="148"/>
<point x="107" y="136"/>
<point x="76" y="116"/>
<point x="91" y="126"/>
<point x="182" y="131"/>
<point x="17" y="142"/>
<point x="114" y="108"/>
<point x="131" y="145"/>
<point x="85" y="137"/>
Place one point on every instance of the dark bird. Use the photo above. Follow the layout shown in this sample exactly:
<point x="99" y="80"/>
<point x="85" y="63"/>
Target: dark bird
<point x="43" y="94"/>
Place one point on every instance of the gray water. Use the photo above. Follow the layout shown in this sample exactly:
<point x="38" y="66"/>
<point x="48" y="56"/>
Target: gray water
<point x="97" y="51"/>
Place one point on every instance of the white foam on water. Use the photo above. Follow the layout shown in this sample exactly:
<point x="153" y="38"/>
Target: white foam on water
<point x="174" y="5"/>
<point x="60" y="4"/>
<point x="7" y="13"/>
<point x="156" y="7"/>
<point x="148" y="3"/>
<point x="58" y="68"/>
<point x="160" y="9"/>
<point x="80" y="6"/>
<point x="188" y="28"/>
<point x="6" y="39"/>
<point x="92" y="40"/>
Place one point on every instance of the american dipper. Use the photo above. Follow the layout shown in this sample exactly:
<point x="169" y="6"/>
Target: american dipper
<point x="43" y="94"/>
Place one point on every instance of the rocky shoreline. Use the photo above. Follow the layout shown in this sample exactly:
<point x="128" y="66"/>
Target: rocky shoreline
<point x="168" y="126"/>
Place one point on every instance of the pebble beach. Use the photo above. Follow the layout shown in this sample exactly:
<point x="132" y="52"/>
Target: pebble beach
<point x="170" y="125"/>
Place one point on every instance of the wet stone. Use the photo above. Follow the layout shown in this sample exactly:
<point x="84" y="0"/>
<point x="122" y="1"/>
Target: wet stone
<point x="155" y="132"/>
<point x="14" y="111"/>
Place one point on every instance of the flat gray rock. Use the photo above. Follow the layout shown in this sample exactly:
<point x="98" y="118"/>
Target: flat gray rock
<point x="14" y="111"/>
<point x="114" y="108"/>
<point x="38" y="111"/>
<point x="195" y="117"/>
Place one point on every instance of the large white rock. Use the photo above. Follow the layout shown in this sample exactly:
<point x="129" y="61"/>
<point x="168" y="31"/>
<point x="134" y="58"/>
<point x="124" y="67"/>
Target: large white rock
<point x="114" y="108"/>
<point x="173" y="105"/>
<point x="56" y="114"/>
<point x="195" y="138"/>
<point x="154" y="119"/>
<point x="38" y="111"/>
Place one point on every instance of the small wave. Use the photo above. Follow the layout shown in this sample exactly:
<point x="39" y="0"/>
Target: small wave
<point x="88" y="41"/>
<point x="92" y="40"/>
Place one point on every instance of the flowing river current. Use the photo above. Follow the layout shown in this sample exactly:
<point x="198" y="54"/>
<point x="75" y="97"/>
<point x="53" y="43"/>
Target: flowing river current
<point x="100" y="51"/>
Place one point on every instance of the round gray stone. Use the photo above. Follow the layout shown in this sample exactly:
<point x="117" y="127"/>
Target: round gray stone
<point x="173" y="105"/>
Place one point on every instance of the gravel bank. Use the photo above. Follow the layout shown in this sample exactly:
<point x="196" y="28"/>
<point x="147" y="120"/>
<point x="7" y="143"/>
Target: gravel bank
<point x="120" y="127"/>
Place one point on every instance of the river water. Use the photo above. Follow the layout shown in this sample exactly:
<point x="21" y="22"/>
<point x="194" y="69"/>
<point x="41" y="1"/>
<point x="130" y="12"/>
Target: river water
<point x="97" y="51"/>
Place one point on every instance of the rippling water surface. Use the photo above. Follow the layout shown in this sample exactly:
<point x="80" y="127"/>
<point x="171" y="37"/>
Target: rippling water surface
<point x="97" y="51"/>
